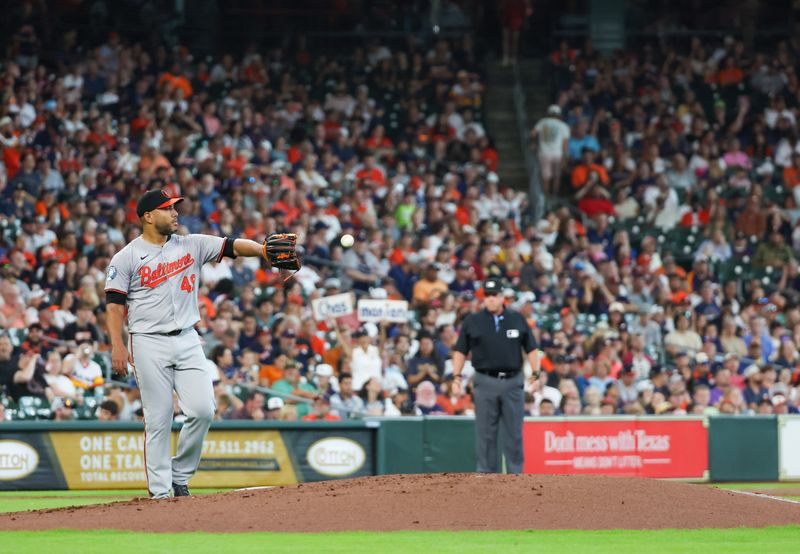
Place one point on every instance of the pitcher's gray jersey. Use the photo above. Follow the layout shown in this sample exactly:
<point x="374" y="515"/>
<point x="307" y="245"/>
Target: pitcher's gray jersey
<point x="161" y="282"/>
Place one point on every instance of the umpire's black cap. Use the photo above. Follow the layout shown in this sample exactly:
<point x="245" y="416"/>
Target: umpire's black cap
<point x="155" y="199"/>
<point x="492" y="286"/>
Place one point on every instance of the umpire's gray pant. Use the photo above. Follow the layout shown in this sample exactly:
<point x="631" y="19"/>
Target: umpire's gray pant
<point x="499" y="406"/>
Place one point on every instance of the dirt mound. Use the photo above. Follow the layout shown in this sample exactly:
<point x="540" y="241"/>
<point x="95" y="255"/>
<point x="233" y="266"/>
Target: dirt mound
<point x="437" y="501"/>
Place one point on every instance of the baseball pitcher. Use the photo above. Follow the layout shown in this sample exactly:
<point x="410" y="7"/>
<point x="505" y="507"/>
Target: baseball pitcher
<point x="155" y="277"/>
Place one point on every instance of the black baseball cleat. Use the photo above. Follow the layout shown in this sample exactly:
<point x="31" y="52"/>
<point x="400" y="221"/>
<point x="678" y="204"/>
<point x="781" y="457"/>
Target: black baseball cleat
<point x="180" y="490"/>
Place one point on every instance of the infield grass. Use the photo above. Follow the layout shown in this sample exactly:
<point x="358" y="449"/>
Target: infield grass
<point x="128" y="493"/>
<point x="749" y="486"/>
<point x="17" y="501"/>
<point x="764" y="541"/>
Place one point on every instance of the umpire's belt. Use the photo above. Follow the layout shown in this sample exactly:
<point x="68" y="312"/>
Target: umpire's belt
<point x="498" y="374"/>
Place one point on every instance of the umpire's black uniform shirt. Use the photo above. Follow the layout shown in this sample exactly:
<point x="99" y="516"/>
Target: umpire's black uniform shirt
<point x="496" y="342"/>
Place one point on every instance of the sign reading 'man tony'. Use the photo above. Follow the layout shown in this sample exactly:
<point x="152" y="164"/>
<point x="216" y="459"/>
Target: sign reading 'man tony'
<point x="383" y="310"/>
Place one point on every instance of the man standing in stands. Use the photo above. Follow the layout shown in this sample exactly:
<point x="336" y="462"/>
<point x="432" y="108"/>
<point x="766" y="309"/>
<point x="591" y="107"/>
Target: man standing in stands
<point x="553" y="135"/>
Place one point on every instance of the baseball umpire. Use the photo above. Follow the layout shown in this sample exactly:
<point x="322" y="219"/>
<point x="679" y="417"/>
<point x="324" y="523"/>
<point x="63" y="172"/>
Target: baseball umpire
<point x="496" y="336"/>
<point x="156" y="277"/>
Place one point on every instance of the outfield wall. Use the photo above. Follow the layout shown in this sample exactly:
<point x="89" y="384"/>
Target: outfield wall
<point x="93" y="455"/>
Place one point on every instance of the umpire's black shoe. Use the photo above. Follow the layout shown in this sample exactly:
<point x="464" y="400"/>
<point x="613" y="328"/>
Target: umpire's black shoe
<point x="180" y="490"/>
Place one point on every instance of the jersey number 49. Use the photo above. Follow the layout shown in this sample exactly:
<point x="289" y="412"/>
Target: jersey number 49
<point x="186" y="284"/>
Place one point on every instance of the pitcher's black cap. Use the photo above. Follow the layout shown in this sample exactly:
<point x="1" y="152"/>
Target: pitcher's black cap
<point x="155" y="199"/>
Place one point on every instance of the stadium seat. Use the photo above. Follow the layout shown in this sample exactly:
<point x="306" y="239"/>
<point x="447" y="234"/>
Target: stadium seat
<point x="85" y="413"/>
<point x="33" y="407"/>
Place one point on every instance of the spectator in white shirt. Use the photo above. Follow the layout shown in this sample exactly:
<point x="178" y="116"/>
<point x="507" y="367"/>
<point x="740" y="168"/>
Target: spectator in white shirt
<point x="61" y="385"/>
<point x="213" y="273"/>
<point x="51" y="180"/>
<point x="85" y="370"/>
<point x="553" y="135"/>
<point x="308" y="176"/>
<point x="341" y="101"/>
<point x="43" y="235"/>
<point x="365" y="359"/>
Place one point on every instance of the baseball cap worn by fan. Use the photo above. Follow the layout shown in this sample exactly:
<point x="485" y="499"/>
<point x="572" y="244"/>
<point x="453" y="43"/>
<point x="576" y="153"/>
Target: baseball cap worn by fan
<point x="324" y="370"/>
<point x="154" y="200"/>
<point x="751" y="371"/>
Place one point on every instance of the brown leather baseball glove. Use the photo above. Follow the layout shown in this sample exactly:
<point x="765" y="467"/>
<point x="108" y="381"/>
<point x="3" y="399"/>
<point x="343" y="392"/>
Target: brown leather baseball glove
<point x="280" y="251"/>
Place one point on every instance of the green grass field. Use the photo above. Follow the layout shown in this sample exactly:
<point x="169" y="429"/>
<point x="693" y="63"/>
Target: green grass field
<point x="764" y="541"/>
<point x="17" y="501"/>
<point x="772" y="539"/>
<point x="749" y="486"/>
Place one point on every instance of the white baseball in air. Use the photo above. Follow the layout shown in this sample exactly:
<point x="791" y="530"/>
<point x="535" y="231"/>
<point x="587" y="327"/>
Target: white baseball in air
<point x="347" y="240"/>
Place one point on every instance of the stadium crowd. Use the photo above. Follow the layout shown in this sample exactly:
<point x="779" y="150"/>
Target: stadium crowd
<point x="387" y="143"/>
<point x="680" y="166"/>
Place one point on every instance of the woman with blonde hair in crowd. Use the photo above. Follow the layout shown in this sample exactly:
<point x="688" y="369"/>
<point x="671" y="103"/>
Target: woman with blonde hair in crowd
<point x="592" y="398"/>
<point x="730" y="340"/>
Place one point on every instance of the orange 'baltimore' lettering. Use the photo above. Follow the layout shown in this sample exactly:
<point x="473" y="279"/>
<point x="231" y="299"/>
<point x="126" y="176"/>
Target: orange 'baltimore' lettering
<point x="151" y="278"/>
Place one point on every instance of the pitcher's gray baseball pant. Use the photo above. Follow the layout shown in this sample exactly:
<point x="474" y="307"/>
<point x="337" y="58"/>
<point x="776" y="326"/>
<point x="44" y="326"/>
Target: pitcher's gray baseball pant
<point x="164" y="363"/>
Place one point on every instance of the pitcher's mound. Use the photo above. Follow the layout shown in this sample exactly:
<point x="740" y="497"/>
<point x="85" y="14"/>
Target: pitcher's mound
<point x="437" y="501"/>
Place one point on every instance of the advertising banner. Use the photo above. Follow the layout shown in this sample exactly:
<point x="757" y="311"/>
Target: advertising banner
<point x="321" y="455"/>
<point x="789" y="447"/>
<point x="659" y="447"/>
<point x="28" y="461"/>
<point x="232" y="458"/>
<point x="382" y="310"/>
<point x="331" y="307"/>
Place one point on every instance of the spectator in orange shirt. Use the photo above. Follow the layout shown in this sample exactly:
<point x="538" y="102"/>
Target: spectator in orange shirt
<point x="671" y="268"/>
<point x="488" y="153"/>
<point x="287" y="205"/>
<point x="791" y="173"/>
<point x="730" y="74"/>
<point x="321" y="411"/>
<point x="370" y="173"/>
<point x="67" y="248"/>
<point x="454" y="400"/>
<point x="791" y="178"/>
<point x="594" y="198"/>
<point x="429" y="287"/>
<point x="176" y="82"/>
<point x="269" y="374"/>
<point x="587" y="165"/>
<point x="377" y="139"/>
